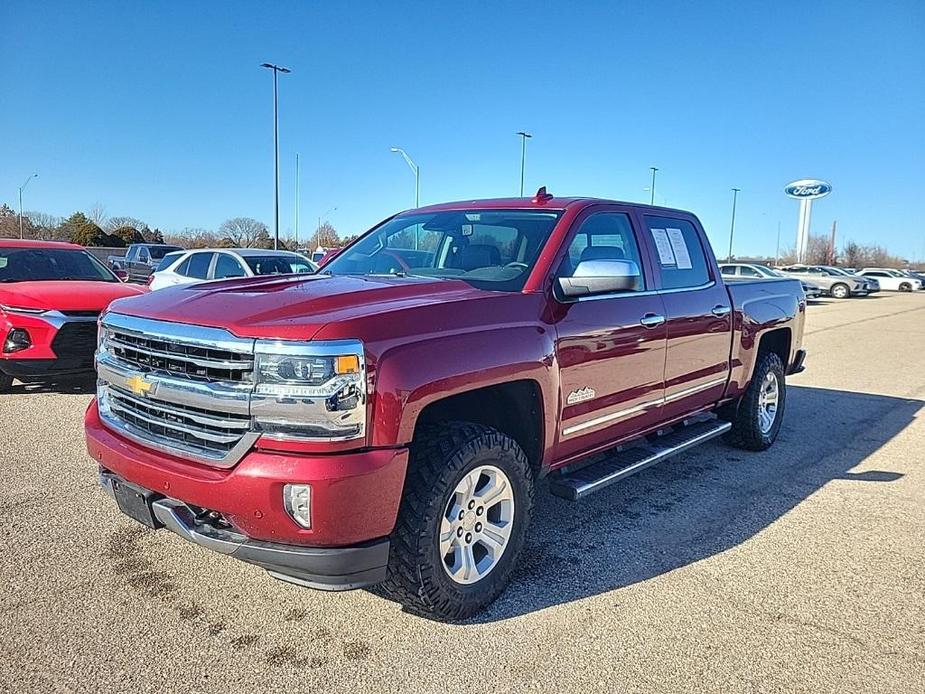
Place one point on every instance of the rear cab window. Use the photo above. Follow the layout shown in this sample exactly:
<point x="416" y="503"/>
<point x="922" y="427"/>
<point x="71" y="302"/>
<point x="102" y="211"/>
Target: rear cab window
<point x="679" y="255"/>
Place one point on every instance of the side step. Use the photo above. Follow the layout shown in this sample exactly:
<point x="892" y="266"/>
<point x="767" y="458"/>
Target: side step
<point x="579" y="483"/>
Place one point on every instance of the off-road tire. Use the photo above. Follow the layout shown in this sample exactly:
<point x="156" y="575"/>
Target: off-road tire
<point x="6" y="383"/>
<point x="440" y="456"/>
<point x="840" y="291"/>
<point x="746" y="431"/>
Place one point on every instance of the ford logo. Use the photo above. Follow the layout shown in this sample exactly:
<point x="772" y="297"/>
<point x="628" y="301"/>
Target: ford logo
<point x="808" y="189"/>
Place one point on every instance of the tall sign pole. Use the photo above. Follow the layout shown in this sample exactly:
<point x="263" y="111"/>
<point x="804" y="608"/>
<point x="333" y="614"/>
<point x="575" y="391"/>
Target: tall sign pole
<point x="806" y="190"/>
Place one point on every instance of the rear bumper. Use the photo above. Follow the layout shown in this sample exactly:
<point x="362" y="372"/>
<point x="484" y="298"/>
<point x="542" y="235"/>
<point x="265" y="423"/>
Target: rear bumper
<point x="339" y="568"/>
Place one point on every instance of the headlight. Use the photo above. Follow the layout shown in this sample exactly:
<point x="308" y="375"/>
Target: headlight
<point x="310" y="390"/>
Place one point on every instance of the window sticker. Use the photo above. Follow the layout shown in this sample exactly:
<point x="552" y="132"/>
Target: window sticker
<point x="679" y="246"/>
<point x="663" y="245"/>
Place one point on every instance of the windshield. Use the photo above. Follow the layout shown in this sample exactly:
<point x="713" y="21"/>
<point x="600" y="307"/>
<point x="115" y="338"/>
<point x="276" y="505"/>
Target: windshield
<point x="158" y="252"/>
<point x="836" y="271"/>
<point x="489" y="249"/>
<point x="42" y="264"/>
<point x="278" y="264"/>
<point x="766" y="271"/>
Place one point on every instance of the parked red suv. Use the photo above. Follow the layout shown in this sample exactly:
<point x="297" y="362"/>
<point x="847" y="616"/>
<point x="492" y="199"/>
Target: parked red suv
<point x="388" y="419"/>
<point x="51" y="295"/>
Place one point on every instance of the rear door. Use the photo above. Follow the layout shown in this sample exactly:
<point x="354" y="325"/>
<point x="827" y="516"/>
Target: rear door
<point x="610" y="348"/>
<point x="698" y="309"/>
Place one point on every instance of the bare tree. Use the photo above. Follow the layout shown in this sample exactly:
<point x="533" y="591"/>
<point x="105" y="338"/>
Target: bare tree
<point x="246" y="232"/>
<point x="114" y="223"/>
<point x="324" y="236"/>
<point x="44" y="225"/>
<point x="97" y="213"/>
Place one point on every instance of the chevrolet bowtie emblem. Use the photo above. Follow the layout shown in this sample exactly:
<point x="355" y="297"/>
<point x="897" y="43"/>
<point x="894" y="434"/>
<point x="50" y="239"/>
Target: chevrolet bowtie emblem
<point x="139" y="385"/>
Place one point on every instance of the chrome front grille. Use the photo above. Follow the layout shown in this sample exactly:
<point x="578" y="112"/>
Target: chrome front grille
<point x="192" y="360"/>
<point x="181" y="389"/>
<point x="193" y="427"/>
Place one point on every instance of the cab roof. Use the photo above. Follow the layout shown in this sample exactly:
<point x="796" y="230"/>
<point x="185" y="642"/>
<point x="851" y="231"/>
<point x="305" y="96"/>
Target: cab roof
<point x="541" y="201"/>
<point x="28" y="243"/>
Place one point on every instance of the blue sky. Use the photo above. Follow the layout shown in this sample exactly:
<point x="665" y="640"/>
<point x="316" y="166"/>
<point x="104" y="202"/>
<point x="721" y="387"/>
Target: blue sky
<point x="160" y="111"/>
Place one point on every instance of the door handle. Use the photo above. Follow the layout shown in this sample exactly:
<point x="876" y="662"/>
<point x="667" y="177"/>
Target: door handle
<point x="652" y="320"/>
<point x="720" y="310"/>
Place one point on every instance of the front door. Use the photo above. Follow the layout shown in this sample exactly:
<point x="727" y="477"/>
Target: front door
<point x="610" y="348"/>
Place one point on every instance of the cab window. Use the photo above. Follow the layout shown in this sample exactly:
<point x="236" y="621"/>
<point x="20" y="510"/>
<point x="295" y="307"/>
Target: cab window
<point x="679" y="255"/>
<point x="196" y="266"/>
<point x="603" y="236"/>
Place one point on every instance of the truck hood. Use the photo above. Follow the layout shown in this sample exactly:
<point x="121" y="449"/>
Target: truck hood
<point x="65" y="295"/>
<point x="294" y="308"/>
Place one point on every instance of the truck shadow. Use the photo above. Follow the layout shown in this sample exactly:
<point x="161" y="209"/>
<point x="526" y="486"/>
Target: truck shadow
<point x="698" y="504"/>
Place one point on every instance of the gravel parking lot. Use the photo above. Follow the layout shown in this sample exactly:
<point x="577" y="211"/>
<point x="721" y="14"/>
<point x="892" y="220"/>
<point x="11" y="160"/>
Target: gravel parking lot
<point x="798" y="569"/>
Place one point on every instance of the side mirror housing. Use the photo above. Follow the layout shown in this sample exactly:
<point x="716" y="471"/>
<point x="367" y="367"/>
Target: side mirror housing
<point x="604" y="276"/>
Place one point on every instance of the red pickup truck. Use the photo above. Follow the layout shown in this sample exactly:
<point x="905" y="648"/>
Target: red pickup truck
<point x="388" y="421"/>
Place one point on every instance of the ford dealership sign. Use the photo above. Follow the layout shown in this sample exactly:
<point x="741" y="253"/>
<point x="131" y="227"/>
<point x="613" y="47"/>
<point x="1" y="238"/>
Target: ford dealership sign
<point x="808" y="189"/>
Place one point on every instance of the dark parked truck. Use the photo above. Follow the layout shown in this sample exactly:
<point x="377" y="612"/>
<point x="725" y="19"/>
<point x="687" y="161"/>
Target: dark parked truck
<point x="388" y="421"/>
<point x="140" y="260"/>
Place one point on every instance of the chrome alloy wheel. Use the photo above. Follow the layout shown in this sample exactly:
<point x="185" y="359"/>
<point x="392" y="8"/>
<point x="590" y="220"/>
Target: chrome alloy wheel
<point x="476" y="524"/>
<point x="768" y="398"/>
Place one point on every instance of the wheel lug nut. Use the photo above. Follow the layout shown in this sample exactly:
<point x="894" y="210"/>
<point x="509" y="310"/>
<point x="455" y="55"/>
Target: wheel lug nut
<point x="479" y="511"/>
<point x="459" y="532"/>
<point x="471" y="505"/>
<point x="478" y="527"/>
<point x="462" y="515"/>
<point x="468" y="537"/>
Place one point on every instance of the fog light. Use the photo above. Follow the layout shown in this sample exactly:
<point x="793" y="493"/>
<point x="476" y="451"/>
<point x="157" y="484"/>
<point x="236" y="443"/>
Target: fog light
<point x="297" y="499"/>
<point x="17" y="340"/>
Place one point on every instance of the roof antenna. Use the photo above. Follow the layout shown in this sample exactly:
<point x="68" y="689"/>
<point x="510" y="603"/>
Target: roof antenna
<point x="542" y="196"/>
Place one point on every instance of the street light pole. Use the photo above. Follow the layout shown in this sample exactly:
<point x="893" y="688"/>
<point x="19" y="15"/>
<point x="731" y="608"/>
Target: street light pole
<point x="524" y="136"/>
<point x="21" y="189"/>
<point x="652" y="190"/>
<point x="732" y="228"/>
<point x="415" y="169"/>
<point x="276" y="70"/>
<point x="296" y="201"/>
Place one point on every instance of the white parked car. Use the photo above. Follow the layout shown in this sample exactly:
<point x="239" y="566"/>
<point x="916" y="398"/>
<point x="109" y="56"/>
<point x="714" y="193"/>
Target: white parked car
<point x="756" y="270"/>
<point x="204" y="264"/>
<point x="894" y="280"/>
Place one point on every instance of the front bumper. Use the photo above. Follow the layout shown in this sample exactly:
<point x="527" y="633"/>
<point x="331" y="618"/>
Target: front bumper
<point x="339" y="568"/>
<point x="28" y="369"/>
<point x="355" y="496"/>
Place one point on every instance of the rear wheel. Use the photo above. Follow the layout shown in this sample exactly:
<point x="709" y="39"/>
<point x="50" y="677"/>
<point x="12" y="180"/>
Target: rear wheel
<point x="6" y="383"/>
<point x="462" y="521"/>
<point x="905" y="287"/>
<point x="758" y="417"/>
<point x="840" y="291"/>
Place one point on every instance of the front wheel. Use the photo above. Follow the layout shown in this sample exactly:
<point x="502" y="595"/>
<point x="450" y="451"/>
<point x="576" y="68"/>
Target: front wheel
<point x="840" y="291"/>
<point x="758" y="418"/>
<point x="905" y="287"/>
<point x="462" y="521"/>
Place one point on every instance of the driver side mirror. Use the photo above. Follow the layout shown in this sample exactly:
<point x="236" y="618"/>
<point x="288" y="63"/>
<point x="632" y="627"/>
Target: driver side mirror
<point x="595" y="277"/>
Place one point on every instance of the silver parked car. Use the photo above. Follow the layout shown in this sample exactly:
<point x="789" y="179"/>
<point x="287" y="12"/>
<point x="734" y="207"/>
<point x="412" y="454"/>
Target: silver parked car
<point x="756" y="270"/>
<point x="832" y="282"/>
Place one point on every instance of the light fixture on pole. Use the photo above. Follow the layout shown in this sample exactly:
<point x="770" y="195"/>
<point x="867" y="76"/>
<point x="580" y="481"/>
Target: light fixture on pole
<point x="276" y="70"/>
<point x="732" y="227"/>
<point x="21" y="189"/>
<point x="652" y="189"/>
<point x="415" y="169"/>
<point x="524" y="136"/>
